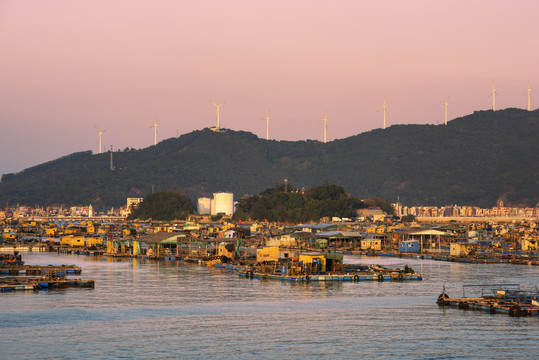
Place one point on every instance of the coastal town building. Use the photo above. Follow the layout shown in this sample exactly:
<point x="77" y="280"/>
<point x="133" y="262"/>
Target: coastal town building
<point x="466" y="211"/>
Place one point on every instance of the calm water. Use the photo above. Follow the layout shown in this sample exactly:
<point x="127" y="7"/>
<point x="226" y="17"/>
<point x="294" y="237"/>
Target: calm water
<point x="156" y="310"/>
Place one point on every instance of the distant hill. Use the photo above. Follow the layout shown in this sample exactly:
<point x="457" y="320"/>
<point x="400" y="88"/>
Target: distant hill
<point x="474" y="160"/>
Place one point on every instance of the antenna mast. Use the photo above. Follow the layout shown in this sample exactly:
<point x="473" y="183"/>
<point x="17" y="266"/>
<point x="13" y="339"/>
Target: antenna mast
<point x="111" y="164"/>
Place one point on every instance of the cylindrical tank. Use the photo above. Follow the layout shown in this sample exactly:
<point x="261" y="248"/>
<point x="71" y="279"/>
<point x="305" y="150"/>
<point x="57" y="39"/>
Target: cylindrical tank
<point x="213" y="207"/>
<point x="204" y="206"/>
<point x="224" y="203"/>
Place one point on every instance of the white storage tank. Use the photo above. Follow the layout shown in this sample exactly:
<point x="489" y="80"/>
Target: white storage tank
<point x="213" y="207"/>
<point x="224" y="203"/>
<point x="204" y="206"/>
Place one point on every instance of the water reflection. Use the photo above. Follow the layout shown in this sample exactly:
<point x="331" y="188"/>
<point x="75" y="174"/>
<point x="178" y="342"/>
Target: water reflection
<point x="150" y="309"/>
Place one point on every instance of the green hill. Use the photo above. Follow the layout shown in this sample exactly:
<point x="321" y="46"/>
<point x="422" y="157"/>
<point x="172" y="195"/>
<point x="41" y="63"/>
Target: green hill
<point x="166" y="205"/>
<point x="294" y="206"/>
<point x="474" y="160"/>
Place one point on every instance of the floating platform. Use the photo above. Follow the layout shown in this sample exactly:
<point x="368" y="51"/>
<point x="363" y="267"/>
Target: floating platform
<point x="505" y="257"/>
<point x="81" y="251"/>
<point x="511" y="302"/>
<point x="41" y="283"/>
<point x="333" y="277"/>
<point x="32" y="270"/>
<point x="250" y="273"/>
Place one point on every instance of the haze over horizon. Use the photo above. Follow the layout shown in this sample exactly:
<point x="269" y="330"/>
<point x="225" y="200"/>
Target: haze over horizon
<point x="67" y="67"/>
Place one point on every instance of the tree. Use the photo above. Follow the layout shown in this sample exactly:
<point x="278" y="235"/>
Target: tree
<point x="408" y="218"/>
<point x="166" y="205"/>
<point x="294" y="207"/>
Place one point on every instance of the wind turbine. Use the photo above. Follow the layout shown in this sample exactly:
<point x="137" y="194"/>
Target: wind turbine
<point x="154" y="126"/>
<point x="217" y="109"/>
<point x="493" y="97"/>
<point x="325" y="120"/>
<point x="529" y="97"/>
<point x="267" y="118"/>
<point x="445" y="103"/>
<point x="384" y="109"/>
<point x="99" y="133"/>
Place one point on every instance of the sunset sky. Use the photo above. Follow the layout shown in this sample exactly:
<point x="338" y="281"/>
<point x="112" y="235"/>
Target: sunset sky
<point x="68" y="66"/>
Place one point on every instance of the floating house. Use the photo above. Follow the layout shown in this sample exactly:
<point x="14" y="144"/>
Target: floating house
<point x="227" y="250"/>
<point x="460" y="249"/>
<point x="429" y="239"/>
<point x="409" y="246"/>
<point x="321" y="263"/>
<point x="268" y="253"/>
<point x="71" y="240"/>
<point x="339" y="238"/>
<point x="374" y="242"/>
<point x="529" y="244"/>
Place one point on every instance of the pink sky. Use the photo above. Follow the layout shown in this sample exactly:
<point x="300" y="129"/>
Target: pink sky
<point x="67" y="66"/>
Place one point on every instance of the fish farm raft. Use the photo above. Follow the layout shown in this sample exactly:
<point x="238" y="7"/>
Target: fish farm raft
<point x="505" y="299"/>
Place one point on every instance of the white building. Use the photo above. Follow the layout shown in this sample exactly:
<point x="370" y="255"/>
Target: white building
<point x="204" y="206"/>
<point x="224" y="203"/>
<point x="221" y="203"/>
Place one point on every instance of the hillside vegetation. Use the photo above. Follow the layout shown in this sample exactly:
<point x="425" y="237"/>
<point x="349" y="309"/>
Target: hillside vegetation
<point x="295" y="206"/>
<point x="166" y="205"/>
<point x="474" y="160"/>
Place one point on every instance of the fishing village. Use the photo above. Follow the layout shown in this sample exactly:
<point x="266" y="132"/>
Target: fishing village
<point x="269" y="180"/>
<point x="297" y="253"/>
<point x="200" y="238"/>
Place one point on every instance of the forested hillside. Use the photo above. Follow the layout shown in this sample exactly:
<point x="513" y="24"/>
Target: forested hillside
<point x="298" y="206"/>
<point x="474" y="160"/>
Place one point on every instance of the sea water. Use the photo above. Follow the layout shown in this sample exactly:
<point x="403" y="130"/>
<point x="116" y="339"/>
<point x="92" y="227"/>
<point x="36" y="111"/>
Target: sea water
<point x="174" y="310"/>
